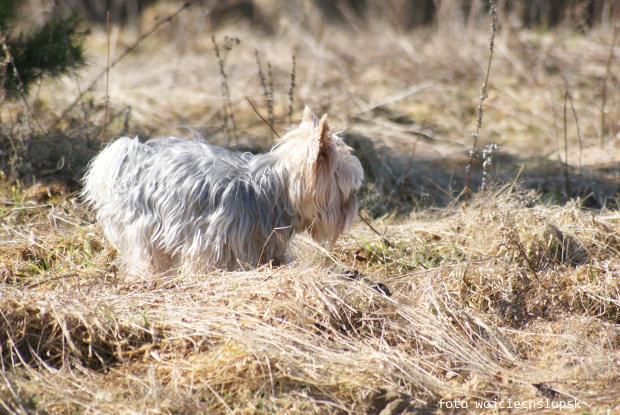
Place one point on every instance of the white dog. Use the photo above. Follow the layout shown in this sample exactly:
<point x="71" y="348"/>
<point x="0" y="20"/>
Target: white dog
<point x="173" y="203"/>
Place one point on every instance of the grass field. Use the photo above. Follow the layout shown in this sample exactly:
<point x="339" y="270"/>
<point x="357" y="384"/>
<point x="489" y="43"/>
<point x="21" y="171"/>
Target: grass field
<point x="506" y="303"/>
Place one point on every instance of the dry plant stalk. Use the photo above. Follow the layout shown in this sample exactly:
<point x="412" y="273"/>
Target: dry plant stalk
<point x="487" y="157"/>
<point x="107" y="81"/>
<point x="570" y="100"/>
<point x="409" y="165"/>
<point x="270" y="95"/>
<point x="291" y="92"/>
<point x="228" y="111"/>
<point x="607" y="72"/>
<point x="483" y="96"/>
<point x="262" y="118"/>
<point x="566" y="182"/>
<point x="4" y="64"/>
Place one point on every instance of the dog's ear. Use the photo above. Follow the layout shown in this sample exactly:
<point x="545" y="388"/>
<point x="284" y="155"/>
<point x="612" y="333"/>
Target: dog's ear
<point x="308" y="119"/>
<point x="325" y="139"/>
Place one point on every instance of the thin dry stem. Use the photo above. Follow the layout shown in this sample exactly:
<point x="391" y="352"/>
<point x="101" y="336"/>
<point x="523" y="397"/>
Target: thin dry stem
<point x="570" y="100"/>
<point x="604" y="92"/>
<point x="483" y="96"/>
<point x="291" y="91"/>
<point x="107" y="81"/>
<point x="225" y="90"/>
<point x="267" y="92"/>
<point x="567" y="192"/>
<point x="262" y="118"/>
<point x="404" y="180"/>
<point x="270" y="95"/>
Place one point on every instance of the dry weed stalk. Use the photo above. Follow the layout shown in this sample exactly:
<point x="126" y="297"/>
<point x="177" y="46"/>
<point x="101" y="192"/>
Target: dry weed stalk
<point x="273" y="131"/>
<point x="228" y="111"/>
<point x="4" y="64"/>
<point x="10" y="61"/>
<point x="409" y="165"/>
<point x="483" y="97"/>
<point x="607" y="72"/>
<point x="267" y="89"/>
<point x="572" y="107"/>
<point x="564" y="164"/>
<point x="270" y="95"/>
<point x="291" y="92"/>
<point x="487" y="157"/>
<point x="107" y="80"/>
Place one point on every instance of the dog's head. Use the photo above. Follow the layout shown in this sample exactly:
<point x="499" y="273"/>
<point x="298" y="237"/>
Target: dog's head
<point x="324" y="178"/>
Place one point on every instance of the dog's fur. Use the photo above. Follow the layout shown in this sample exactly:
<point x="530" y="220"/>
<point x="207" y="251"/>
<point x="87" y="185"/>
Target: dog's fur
<point x="173" y="203"/>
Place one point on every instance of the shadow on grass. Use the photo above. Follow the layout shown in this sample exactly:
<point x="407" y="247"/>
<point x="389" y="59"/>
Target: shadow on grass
<point x="393" y="182"/>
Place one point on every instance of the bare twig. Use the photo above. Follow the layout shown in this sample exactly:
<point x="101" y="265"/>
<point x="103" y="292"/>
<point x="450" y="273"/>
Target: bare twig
<point x="262" y="118"/>
<point x="397" y="96"/>
<point x="270" y="97"/>
<point x="565" y="163"/>
<point x="570" y="100"/>
<point x="383" y="238"/>
<point x="404" y="180"/>
<point x="483" y="96"/>
<point x="4" y="64"/>
<point x="291" y="93"/>
<point x="607" y="71"/>
<point x="267" y="91"/>
<point x="107" y="79"/>
<point x="228" y="112"/>
<point x="59" y="277"/>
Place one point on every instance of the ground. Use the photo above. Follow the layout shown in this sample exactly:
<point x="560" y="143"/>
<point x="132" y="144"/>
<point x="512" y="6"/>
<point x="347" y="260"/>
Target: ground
<point x="504" y="301"/>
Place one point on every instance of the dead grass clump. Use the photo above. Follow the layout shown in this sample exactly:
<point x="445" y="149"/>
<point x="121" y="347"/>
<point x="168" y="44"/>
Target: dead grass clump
<point x="465" y="318"/>
<point x="41" y="259"/>
<point x="504" y="257"/>
<point x="36" y="335"/>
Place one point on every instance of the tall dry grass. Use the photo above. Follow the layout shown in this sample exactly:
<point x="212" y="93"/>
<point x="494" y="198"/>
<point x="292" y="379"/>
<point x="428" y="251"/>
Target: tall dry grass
<point x="512" y="298"/>
<point x="487" y="303"/>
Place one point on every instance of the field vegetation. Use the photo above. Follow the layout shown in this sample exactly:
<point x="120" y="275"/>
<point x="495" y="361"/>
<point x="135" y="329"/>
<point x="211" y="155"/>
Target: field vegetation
<point x="446" y="297"/>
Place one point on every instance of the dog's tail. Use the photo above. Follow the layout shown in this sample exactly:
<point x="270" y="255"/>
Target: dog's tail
<point x="113" y="170"/>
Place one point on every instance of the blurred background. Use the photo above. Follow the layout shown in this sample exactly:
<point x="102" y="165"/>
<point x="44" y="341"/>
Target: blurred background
<point x="403" y="14"/>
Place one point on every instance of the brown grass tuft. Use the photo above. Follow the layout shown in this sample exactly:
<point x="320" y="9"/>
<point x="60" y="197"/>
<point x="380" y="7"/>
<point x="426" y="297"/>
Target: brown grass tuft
<point x="465" y="320"/>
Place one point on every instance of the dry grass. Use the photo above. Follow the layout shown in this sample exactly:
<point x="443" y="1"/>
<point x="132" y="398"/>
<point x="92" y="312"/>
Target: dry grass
<point x="514" y="298"/>
<point x="468" y="318"/>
